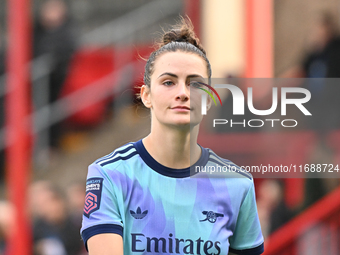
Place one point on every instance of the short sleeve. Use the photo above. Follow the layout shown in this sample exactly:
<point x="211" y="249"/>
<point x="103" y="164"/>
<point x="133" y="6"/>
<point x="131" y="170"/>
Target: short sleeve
<point x="101" y="210"/>
<point x="247" y="238"/>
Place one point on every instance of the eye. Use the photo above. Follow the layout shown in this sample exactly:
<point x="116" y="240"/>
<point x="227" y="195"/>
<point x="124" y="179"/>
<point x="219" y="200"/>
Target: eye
<point x="168" y="83"/>
<point x="196" y="84"/>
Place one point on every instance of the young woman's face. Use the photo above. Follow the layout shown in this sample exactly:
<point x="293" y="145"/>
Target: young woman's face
<point x="173" y="101"/>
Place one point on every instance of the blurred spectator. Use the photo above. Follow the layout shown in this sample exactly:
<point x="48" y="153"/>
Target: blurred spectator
<point x="273" y="211"/>
<point x="54" y="34"/>
<point x="322" y="61"/>
<point x="53" y="230"/>
<point x="324" y="41"/>
<point x="316" y="188"/>
<point x="6" y="223"/>
<point x="321" y="67"/>
<point x="76" y="198"/>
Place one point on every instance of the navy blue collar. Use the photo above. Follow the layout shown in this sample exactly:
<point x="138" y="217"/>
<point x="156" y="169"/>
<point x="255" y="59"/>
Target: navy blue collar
<point x="167" y="171"/>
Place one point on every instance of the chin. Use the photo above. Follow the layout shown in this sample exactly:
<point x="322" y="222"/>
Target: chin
<point x="186" y="124"/>
<point x="180" y="124"/>
<point x="182" y="121"/>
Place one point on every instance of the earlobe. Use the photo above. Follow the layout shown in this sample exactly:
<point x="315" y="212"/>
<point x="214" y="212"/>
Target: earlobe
<point x="145" y="96"/>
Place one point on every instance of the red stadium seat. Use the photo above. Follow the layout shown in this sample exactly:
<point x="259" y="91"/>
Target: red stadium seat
<point x="88" y="66"/>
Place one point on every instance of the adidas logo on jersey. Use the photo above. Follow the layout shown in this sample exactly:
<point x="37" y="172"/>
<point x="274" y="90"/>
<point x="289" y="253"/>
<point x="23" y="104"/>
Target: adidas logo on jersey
<point x="138" y="214"/>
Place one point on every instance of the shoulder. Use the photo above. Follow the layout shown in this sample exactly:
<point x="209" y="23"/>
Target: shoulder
<point x="227" y="167"/>
<point x="114" y="170"/>
<point x="118" y="156"/>
<point x="120" y="162"/>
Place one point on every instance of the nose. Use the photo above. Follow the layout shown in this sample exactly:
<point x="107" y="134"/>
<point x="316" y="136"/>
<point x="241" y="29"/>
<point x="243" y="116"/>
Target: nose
<point x="183" y="92"/>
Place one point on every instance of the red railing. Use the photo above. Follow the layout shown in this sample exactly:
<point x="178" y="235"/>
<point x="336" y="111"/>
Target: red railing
<point x="315" y="231"/>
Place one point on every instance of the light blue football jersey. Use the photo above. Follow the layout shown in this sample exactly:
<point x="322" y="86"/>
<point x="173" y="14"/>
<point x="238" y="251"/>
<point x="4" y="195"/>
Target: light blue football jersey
<point x="160" y="210"/>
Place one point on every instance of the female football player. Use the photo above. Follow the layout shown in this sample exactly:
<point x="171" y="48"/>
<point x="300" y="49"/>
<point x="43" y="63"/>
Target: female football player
<point x="143" y="199"/>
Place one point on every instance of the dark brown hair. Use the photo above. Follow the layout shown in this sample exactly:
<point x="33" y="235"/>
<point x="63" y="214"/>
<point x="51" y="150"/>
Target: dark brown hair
<point x="181" y="37"/>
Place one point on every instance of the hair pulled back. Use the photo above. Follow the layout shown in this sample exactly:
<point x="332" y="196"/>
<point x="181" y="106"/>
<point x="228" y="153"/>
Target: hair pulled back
<point x="181" y="37"/>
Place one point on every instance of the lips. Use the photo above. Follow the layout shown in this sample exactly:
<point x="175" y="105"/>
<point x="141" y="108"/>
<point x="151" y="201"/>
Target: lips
<point x="181" y="108"/>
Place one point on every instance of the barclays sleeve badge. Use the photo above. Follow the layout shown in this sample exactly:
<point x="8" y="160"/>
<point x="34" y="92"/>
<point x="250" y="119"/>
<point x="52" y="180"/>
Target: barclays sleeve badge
<point x="94" y="188"/>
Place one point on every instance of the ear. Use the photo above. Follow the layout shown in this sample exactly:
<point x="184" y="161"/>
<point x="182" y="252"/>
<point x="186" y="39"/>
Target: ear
<point x="209" y="102"/>
<point x="145" y="96"/>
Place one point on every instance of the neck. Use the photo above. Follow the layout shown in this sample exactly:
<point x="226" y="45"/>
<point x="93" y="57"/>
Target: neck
<point x="173" y="147"/>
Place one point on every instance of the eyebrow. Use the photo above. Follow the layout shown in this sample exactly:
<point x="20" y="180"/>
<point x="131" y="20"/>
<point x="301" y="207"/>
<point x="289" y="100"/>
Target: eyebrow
<point x="170" y="74"/>
<point x="175" y="76"/>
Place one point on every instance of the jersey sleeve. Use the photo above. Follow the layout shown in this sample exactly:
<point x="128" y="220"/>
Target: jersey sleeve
<point x="101" y="210"/>
<point x="247" y="238"/>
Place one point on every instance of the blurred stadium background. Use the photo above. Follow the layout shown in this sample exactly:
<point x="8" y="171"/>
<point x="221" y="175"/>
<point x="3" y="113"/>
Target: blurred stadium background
<point x="68" y="77"/>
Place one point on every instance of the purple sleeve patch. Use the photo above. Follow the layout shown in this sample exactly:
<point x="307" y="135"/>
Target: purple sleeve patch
<point x="94" y="188"/>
